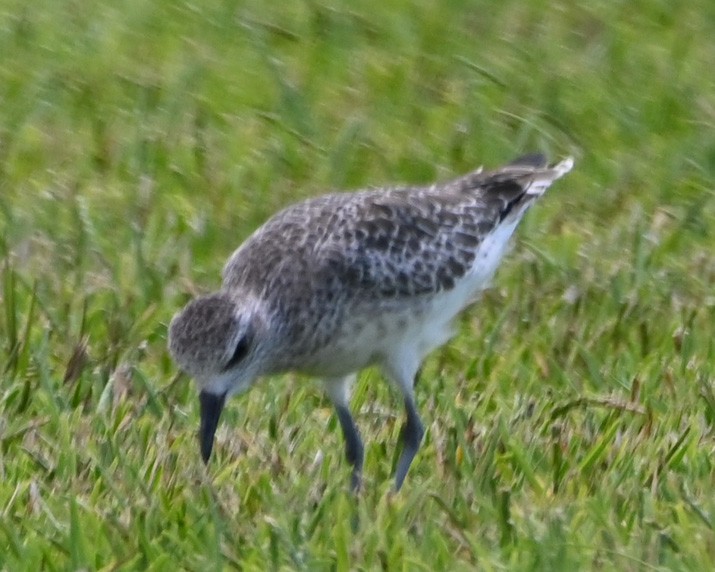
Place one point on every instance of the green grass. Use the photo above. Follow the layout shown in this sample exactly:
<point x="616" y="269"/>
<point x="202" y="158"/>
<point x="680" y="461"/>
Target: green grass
<point x="570" y="424"/>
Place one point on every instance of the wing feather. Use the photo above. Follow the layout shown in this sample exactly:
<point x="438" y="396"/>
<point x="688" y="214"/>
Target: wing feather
<point x="389" y="243"/>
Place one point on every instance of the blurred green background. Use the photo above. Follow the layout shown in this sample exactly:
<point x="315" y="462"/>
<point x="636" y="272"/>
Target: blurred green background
<point x="570" y="424"/>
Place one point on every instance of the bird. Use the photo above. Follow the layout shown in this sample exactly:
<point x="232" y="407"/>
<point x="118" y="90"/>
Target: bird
<point x="348" y="280"/>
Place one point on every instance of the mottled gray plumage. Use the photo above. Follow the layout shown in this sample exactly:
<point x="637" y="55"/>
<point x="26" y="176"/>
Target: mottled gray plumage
<point x="343" y="281"/>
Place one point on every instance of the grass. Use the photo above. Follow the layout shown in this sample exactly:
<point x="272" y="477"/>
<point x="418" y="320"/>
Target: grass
<point x="569" y="424"/>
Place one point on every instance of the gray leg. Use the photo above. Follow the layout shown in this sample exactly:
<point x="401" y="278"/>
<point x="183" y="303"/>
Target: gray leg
<point x="339" y="392"/>
<point x="354" y="450"/>
<point x="401" y="370"/>
<point x="411" y="437"/>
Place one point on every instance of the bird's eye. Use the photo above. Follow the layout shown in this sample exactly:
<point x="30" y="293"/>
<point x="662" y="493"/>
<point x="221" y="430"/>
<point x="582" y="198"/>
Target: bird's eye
<point x="238" y="353"/>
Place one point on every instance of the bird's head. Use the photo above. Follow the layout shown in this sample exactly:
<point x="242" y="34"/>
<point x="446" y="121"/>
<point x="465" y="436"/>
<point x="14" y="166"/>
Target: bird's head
<point x="216" y="340"/>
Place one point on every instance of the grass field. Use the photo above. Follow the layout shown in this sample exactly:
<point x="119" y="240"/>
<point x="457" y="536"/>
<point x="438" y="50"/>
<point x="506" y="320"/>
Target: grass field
<point x="570" y="424"/>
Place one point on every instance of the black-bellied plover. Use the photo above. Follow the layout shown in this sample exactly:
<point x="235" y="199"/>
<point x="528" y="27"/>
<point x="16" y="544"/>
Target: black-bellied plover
<point x="340" y="282"/>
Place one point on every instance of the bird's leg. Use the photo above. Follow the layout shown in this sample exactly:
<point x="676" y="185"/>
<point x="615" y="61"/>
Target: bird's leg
<point x="411" y="437"/>
<point x="402" y="369"/>
<point x="339" y="392"/>
<point x="354" y="450"/>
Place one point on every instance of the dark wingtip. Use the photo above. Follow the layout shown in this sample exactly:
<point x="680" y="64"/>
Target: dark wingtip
<point x="211" y="408"/>
<point x="537" y="160"/>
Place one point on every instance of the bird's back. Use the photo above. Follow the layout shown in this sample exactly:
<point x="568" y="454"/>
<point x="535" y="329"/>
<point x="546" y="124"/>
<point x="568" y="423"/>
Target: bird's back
<point x="401" y="255"/>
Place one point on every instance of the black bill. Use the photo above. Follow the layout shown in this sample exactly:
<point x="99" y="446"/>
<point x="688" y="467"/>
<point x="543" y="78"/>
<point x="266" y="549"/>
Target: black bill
<point x="211" y="407"/>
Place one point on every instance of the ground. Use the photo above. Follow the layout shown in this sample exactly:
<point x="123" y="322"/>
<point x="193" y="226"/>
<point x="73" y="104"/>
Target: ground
<point x="569" y="423"/>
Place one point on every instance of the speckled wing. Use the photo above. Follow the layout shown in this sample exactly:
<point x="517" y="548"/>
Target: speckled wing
<point x="387" y="243"/>
<point x="404" y="243"/>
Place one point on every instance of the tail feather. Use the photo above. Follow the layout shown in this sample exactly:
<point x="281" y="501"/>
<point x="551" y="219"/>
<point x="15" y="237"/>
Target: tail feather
<point x="528" y="176"/>
<point x="563" y="167"/>
<point x="542" y="178"/>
